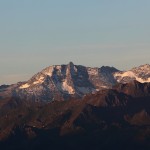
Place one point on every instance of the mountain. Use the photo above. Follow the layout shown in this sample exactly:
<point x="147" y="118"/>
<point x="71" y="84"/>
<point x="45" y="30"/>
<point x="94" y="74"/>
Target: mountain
<point x="62" y="82"/>
<point x="108" y="119"/>
<point x="141" y="74"/>
<point x="77" y="107"/>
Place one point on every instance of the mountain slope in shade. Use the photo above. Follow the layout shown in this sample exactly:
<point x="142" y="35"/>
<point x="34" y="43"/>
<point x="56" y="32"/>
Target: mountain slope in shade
<point x="134" y="88"/>
<point x="108" y="119"/>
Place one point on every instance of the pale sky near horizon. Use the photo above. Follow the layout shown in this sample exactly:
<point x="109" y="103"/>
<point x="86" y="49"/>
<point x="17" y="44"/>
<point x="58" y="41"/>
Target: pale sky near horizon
<point x="35" y="34"/>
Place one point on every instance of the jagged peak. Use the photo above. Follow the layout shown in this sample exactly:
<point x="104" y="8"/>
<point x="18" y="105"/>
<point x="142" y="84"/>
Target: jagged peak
<point x="108" y="68"/>
<point x="71" y="63"/>
<point x="71" y="68"/>
<point x="51" y="68"/>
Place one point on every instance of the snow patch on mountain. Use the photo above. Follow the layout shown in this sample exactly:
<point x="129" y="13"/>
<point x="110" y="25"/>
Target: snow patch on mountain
<point x="39" y="81"/>
<point x="141" y="74"/>
<point x="48" y="71"/>
<point x="24" y="86"/>
<point x="67" y="87"/>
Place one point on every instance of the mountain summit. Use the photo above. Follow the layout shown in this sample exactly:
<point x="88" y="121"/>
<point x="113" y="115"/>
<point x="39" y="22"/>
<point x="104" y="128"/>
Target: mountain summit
<point x="65" y="81"/>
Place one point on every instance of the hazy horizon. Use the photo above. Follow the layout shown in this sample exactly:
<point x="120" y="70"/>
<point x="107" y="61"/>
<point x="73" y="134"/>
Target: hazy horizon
<point x="35" y="34"/>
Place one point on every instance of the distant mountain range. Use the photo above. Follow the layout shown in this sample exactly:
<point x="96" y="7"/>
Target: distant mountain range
<point x="76" y="107"/>
<point x="62" y="82"/>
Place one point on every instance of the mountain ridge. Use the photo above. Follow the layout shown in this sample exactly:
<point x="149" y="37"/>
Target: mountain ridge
<point x="62" y="82"/>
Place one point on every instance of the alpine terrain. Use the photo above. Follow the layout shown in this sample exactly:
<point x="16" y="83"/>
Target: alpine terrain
<point x="76" y="107"/>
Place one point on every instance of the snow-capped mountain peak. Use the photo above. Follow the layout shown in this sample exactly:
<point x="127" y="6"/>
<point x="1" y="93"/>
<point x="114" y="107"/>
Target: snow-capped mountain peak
<point x="141" y="74"/>
<point x="143" y="69"/>
<point x="66" y="80"/>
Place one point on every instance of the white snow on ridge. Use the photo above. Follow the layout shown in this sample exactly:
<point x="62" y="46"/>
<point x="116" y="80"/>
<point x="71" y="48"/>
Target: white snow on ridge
<point x="67" y="87"/>
<point x="105" y="87"/>
<point x="39" y="81"/>
<point x="130" y="74"/>
<point x="48" y="71"/>
<point x="75" y="69"/>
<point x="24" y="86"/>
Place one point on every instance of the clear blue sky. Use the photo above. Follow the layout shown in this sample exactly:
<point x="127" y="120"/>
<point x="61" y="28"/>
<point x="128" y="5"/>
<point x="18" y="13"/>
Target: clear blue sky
<point x="37" y="33"/>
